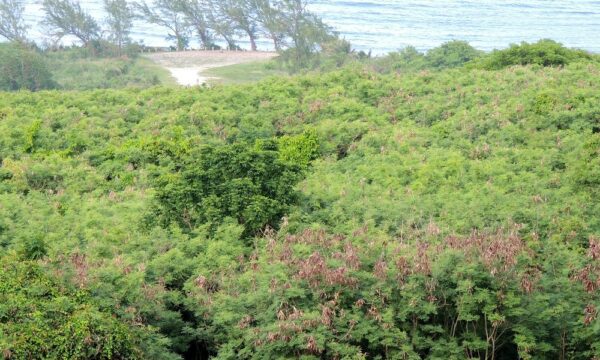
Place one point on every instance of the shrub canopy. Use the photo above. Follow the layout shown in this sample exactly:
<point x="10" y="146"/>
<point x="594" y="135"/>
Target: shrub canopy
<point x="23" y="68"/>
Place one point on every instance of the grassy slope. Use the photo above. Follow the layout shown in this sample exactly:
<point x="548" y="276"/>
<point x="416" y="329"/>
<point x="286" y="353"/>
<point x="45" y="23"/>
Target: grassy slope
<point x="243" y="73"/>
<point x="73" y="73"/>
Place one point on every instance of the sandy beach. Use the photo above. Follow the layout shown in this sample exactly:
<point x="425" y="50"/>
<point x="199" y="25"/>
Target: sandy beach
<point x="187" y="66"/>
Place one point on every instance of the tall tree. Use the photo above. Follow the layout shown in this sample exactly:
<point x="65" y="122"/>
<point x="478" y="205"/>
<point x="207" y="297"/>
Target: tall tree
<point x="12" y="25"/>
<point x="119" y="20"/>
<point x="305" y="31"/>
<point x="196" y="14"/>
<point x="221" y="23"/>
<point x="242" y="14"/>
<point x="167" y="13"/>
<point x="66" y="17"/>
<point x="271" y="20"/>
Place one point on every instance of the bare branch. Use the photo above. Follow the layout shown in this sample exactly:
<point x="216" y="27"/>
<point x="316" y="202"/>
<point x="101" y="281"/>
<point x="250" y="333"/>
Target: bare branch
<point x="66" y="17"/>
<point x="12" y="26"/>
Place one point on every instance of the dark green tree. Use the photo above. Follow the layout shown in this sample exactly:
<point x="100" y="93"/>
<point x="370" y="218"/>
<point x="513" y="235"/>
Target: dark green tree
<point x="544" y="53"/>
<point x="251" y="186"/>
<point x="405" y="59"/>
<point x="451" y="54"/>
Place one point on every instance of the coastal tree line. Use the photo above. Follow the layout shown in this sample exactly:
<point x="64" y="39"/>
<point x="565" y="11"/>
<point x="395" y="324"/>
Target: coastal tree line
<point x="288" y="24"/>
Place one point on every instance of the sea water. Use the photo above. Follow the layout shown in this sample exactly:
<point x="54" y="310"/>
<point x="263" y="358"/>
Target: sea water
<point x="382" y="26"/>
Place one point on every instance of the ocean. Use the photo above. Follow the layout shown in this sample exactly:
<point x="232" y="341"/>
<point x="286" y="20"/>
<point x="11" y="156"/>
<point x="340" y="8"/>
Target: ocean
<point x="382" y="26"/>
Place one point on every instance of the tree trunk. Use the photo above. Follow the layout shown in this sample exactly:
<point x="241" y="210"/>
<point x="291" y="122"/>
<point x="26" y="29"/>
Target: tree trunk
<point x="204" y="38"/>
<point x="230" y="43"/>
<point x="252" y="41"/>
<point x="180" y="42"/>
<point x="275" y="41"/>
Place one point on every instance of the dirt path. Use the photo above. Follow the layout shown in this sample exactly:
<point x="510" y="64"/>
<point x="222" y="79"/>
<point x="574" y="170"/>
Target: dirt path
<point x="187" y="66"/>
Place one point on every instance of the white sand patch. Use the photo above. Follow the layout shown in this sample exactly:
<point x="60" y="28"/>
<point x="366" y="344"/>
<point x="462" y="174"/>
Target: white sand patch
<point x="189" y="76"/>
<point x="186" y="67"/>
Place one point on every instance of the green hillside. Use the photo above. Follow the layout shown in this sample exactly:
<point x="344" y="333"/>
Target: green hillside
<point x="354" y="214"/>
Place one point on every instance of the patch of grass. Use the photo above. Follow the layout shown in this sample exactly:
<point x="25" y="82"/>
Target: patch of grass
<point x="80" y="73"/>
<point x="149" y="67"/>
<point x="243" y="73"/>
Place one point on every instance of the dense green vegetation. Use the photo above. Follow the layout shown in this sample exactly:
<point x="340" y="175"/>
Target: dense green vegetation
<point x="544" y="52"/>
<point x="410" y="208"/>
<point x="252" y="186"/>
<point x="73" y="69"/>
<point x="44" y="318"/>
<point x="452" y="54"/>
<point x="23" y="68"/>
<point x="459" y="53"/>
